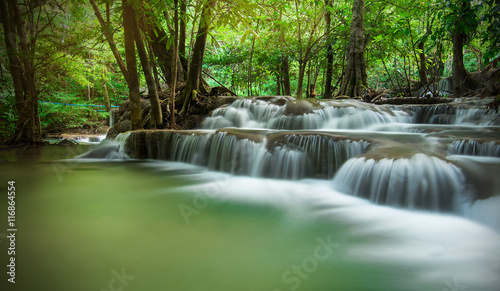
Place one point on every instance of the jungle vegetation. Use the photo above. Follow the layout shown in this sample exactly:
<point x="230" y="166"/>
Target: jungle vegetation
<point x="106" y="51"/>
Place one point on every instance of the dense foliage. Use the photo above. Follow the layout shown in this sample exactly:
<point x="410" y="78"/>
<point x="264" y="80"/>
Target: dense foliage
<point x="254" y="47"/>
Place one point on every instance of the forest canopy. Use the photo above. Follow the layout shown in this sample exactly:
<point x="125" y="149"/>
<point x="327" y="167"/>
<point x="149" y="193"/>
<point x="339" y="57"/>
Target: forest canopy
<point x="102" y="52"/>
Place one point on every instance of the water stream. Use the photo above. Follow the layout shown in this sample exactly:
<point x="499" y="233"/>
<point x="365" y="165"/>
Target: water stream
<point x="271" y="194"/>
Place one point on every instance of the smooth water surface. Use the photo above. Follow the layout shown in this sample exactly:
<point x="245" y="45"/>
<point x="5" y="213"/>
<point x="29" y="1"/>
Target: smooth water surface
<point x="156" y="225"/>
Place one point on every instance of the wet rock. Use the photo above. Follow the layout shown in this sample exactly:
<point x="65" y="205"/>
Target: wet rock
<point x="276" y="100"/>
<point x="197" y="113"/>
<point x="253" y="135"/>
<point x="66" y="142"/>
<point x="413" y="100"/>
<point x="121" y="126"/>
<point x="296" y="108"/>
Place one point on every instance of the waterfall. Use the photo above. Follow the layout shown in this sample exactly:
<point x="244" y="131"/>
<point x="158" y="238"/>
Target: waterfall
<point x="420" y="182"/>
<point x="191" y="148"/>
<point x="243" y="113"/>
<point x="354" y="118"/>
<point x="326" y="154"/>
<point x="474" y="148"/>
<point x="452" y="114"/>
<point x="122" y="137"/>
<point x="356" y="145"/>
<point x="248" y="113"/>
<point x="273" y="155"/>
<point x="109" y="149"/>
<point x="336" y="118"/>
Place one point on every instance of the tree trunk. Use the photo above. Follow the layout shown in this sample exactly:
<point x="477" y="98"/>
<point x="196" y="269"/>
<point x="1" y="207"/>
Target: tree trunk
<point x="155" y="112"/>
<point x="182" y="35"/>
<point x="461" y="80"/>
<point x="422" y="68"/>
<point x="300" y="81"/>
<point x="459" y="71"/>
<point x="329" y="54"/>
<point x="173" y="65"/>
<point x="302" y="62"/>
<point x="194" y="76"/>
<point x="23" y="73"/>
<point x="355" y="79"/>
<point x="440" y="67"/>
<point x="250" y="81"/>
<point x="153" y="65"/>
<point x="106" y="96"/>
<point x="132" y="78"/>
<point x="278" y="81"/>
<point x="107" y="31"/>
<point x="308" y="84"/>
<point x="249" y="90"/>
<point x="164" y="53"/>
<point x="287" y="90"/>
<point x="421" y="58"/>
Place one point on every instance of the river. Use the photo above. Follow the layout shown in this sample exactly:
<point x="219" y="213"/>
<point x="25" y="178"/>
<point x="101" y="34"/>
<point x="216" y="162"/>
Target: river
<point x="185" y="222"/>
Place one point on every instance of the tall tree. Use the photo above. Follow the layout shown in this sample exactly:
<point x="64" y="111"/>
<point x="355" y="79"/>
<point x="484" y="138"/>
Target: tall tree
<point x="107" y="30"/>
<point x="284" y="59"/>
<point x="285" y="72"/>
<point x="132" y="78"/>
<point x="132" y="33"/>
<point x="422" y="63"/>
<point x="355" y="78"/>
<point x="492" y="33"/>
<point x="329" y="52"/>
<point x="463" y="21"/>
<point x="306" y="51"/>
<point x="182" y="34"/>
<point x="194" y="80"/>
<point x="156" y="113"/>
<point x="22" y="27"/>
<point x="160" y="41"/>
<point x="250" y="60"/>
<point x="174" y="63"/>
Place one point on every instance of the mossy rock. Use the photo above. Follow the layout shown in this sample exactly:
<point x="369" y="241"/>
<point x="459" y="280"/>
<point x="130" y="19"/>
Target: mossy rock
<point x="240" y="134"/>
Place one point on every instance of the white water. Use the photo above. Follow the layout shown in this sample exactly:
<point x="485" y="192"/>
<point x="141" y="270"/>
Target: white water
<point x="421" y="182"/>
<point x="350" y="133"/>
<point x="474" y="148"/>
<point x="443" y="248"/>
<point x="408" y="205"/>
<point x="295" y="157"/>
<point x="248" y="113"/>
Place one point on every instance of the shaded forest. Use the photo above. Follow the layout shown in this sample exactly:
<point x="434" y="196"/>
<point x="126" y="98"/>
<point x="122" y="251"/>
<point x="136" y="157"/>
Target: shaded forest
<point x="91" y="52"/>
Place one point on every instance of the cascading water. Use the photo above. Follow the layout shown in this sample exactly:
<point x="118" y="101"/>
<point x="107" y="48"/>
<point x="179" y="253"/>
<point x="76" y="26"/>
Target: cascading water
<point x="91" y="139"/>
<point x="453" y="114"/>
<point x="283" y="138"/>
<point x="247" y="113"/>
<point x="109" y="149"/>
<point x="300" y="194"/>
<point x="192" y="148"/>
<point x="421" y="182"/>
<point x="325" y="154"/>
<point x="258" y="154"/>
<point x="474" y="148"/>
